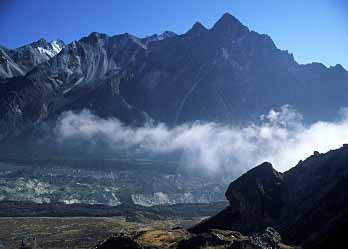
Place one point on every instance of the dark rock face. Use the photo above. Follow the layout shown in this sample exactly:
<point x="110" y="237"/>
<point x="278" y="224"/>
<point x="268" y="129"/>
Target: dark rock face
<point x="307" y="204"/>
<point x="226" y="74"/>
<point x="316" y="214"/>
<point x="256" y="197"/>
<point x="119" y="242"/>
<point x="328" y="219"/>
<point x="255" y="202"/>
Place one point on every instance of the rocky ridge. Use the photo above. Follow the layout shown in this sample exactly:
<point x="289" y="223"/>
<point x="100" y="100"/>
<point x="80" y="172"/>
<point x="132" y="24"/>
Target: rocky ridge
<point x="19" y="61"/>
<point x="308" y="204"/>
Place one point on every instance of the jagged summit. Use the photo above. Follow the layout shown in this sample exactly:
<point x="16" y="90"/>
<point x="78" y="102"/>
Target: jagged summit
<point x="97" y="34"/>
<point x="229" y="24"/>
<point x="338" y="67"/>
<point x="198" y="27"/>
<point x="39" y="43"/>
<point x="160" y="37"/>
<point x="94" y="37"/>
<point x="228" y="19"/>
<point x="55" y="45"/>
<point x="166" y="34"/>
<point x="19" y="61"/>
<point x="196" y="31"/>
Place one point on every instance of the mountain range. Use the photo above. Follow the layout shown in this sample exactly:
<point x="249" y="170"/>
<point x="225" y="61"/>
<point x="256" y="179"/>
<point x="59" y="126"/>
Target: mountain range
<point x="226" y="74"/>
<point x="18" y="62"/>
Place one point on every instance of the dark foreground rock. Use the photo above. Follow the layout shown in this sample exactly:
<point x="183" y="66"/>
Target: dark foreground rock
<point x="119" y="241"/>
<point x="181" y="239"/>
<point x="270" y="238"/>
<point x="255" y="202"/>
<point x="308" y="204"/>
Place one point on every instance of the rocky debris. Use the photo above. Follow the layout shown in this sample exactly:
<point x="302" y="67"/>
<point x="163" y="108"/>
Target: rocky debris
<point x="214" y="238"/>
<point x="268" y="239"/>
<point x="308" y="204"/>
<point x="107" y="182"/>
<point x="145" y="238"/>
<point x="180" y="239"/>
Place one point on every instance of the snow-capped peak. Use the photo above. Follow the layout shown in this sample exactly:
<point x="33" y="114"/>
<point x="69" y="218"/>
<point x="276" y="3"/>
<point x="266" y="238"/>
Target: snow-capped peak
<point x="57" y="46"/>
<point x="52" y="48"/>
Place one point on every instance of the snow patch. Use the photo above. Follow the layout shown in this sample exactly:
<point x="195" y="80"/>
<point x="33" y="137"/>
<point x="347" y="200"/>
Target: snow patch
<point x="56" y="47"/>
<point x="45" y="51"/>
<point x="50" y="50"/>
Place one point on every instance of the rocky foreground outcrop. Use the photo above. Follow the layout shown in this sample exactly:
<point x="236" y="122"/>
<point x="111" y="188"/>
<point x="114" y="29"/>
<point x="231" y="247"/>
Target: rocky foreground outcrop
<point x="255" y="202"/>
<point x="178" y="238"/>
<point x="308" y="204"/>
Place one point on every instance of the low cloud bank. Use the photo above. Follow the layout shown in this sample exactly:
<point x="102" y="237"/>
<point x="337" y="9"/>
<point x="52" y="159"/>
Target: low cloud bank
<point x="281" y="138"/>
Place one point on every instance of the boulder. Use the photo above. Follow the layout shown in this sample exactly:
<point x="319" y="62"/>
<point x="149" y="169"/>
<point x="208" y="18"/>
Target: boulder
<point x="255" y="202"/>
<point x="119" y="241"/>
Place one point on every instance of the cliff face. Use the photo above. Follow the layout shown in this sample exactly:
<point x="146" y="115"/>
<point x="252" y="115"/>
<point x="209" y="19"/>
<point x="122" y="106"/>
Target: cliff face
<point x="307" y="204"/>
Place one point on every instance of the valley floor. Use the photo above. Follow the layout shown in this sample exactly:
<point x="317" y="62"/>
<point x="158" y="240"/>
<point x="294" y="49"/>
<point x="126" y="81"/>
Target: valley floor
<point x="71" y="232"/>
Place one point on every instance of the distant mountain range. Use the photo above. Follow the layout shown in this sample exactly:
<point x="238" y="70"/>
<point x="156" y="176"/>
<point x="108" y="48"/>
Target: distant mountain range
<point x="19" y="61"/>
<point x="226" y="74"/>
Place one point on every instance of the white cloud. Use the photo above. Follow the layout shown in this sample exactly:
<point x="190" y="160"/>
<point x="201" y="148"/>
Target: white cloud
<point x="281" y="138"/>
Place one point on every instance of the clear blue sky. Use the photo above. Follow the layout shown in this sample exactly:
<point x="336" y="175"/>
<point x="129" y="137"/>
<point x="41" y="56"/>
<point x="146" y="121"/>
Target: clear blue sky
<point x="313" y="30"/>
